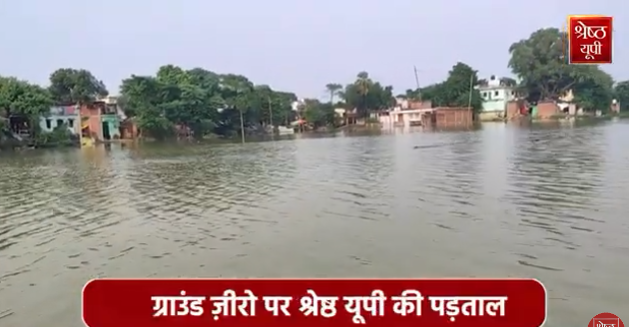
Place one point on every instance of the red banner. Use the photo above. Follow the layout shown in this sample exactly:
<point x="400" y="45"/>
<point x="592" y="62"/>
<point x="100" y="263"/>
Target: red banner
<point x="590" y="39"/>
<point x="313" y="302"/>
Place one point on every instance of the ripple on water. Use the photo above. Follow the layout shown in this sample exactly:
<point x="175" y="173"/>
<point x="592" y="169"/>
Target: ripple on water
<point x="501" y="201"/>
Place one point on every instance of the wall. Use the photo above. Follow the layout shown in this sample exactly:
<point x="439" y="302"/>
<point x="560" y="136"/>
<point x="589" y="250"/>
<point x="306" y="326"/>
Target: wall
<point x="513" y="109"/>
<point x="114" y="125"/>
<point x="547" y="109"/>
<point x="129" y="130"/>
<point x="412" y="104"/>
<point x="59" y="115"/>
<point x="450" y="117"/>
<point x="496" y="98"/>
<point x="91" y="116"/>
<point x="49" y="123"/>
<point x="398" y="117"/>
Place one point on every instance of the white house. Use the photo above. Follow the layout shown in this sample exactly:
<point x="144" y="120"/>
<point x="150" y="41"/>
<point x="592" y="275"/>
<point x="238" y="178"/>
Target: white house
<point x="405" y="113"/>
<point x="495" y="96"/>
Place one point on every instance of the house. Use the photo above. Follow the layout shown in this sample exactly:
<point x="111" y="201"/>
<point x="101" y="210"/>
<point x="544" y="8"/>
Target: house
<point x="60" y="116"/>
<point x="405" y="113"/>
<point x="496" y="95"/>
<point x="100" y="121"/>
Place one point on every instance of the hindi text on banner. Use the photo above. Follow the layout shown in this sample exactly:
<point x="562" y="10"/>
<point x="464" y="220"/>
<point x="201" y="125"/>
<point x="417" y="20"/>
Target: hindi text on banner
<point x="471" y="305"/>
<point x="177" y="305"/>
<point x="408" y="303"/>
<point x="229" y="303"/>
<point x="315" y="305"/>
<point x="275" y="304"/>
<point x="374" y="304"/>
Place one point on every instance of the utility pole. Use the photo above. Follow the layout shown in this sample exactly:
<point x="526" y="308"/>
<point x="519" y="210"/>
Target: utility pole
<point x="419" y="92"/>
<point x="469" y="102"/>
<point x="242" y="126"/>
<point x="270" y="113"/>
<point x="271" y="119"/>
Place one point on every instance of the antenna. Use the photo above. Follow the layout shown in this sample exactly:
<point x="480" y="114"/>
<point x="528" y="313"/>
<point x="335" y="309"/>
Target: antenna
<point x="565" y="42"/>
<point x="419" y="91"/>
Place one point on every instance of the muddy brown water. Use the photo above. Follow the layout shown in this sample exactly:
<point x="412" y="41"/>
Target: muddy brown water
<point x="502" y="201"/>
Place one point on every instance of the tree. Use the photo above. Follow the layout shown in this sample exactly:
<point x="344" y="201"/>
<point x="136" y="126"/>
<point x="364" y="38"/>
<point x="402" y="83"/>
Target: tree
<point x="20" y="97"/>
<point x="203" y="102"/>
<point x="75" y="86"/>
<point x="457" y="90"/>
<point x="366" y="95"/>
<point x="25" y="99"/>
<point x="333" y="89"/>
<point x="621" y="93"/>
<point x="594" y="88"/>
<point x="143" y="97"/>
<point x="507" y="81"/>
<point x="539" y="62"/>
<point x="319" y="114"/>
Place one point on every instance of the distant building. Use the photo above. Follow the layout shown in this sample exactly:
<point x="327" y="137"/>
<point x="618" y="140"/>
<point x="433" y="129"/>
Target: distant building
<point x="60" y="116"/>
<point x="405" y="113"/>
<point x="495" y="97"/>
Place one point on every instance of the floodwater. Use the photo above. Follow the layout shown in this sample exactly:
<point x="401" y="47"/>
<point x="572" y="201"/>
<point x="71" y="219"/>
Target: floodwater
<point x="502" y="201"/>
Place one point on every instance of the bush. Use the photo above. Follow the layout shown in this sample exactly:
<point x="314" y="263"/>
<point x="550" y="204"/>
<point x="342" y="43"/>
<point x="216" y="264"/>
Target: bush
<point x="59" y="136"/>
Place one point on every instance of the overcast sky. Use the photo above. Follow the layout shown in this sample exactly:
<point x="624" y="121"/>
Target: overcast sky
<point x="297" y="45"/>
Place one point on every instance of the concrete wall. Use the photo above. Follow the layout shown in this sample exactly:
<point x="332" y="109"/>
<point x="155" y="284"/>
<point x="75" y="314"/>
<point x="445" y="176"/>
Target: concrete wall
<point x="113" y="123"/>
<point x="49" y="123"/>
<point x="452" y="117"/>
<point x="547" y="109"/>
<point x="495" y="99"/>
<point x="90" y="116"/>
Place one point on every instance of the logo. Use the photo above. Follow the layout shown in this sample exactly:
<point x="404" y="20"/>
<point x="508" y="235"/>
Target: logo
<point x="606" y="319"/>
<point x="589" y="39"/>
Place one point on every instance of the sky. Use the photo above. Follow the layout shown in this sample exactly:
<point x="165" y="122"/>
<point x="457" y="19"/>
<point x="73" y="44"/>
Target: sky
<point x="297" y="46"/>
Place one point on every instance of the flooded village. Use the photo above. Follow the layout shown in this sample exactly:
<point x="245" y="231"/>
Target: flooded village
<point x="465" y="177"/>
<point x="105" y="121"/>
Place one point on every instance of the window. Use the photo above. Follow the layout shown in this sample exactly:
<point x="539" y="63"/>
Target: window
<point x="71" y="123"/>
<point x="59" y="122"/>
<point x="484" y="94"/>
<point x="512" y="92"/>
<point x="48" y="124"/>
<point x="496" y="93"/>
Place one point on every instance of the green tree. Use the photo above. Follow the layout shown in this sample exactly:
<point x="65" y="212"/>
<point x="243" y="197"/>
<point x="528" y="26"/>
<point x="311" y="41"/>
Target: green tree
<point x="75" y="86"/>
<point x="457" y="90"/>
<point x="621" y="93"/>
<point x="22" y="98"/>
<point x="366" y="95"/>
<point x="143" y="99"/>
<point x="507" y="81"/>
<point x="203" y="101"/>
<point x="539" y="63"/>
<point x="593" y="90"/>
<point x="319" y="114"/>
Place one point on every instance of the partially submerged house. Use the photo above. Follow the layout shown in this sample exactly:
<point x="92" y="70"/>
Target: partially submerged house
<point x="66" y="116"/>
<point x="496" y="93"/>
<point x="405" y="113"/>
<point x="101" y="120"/>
